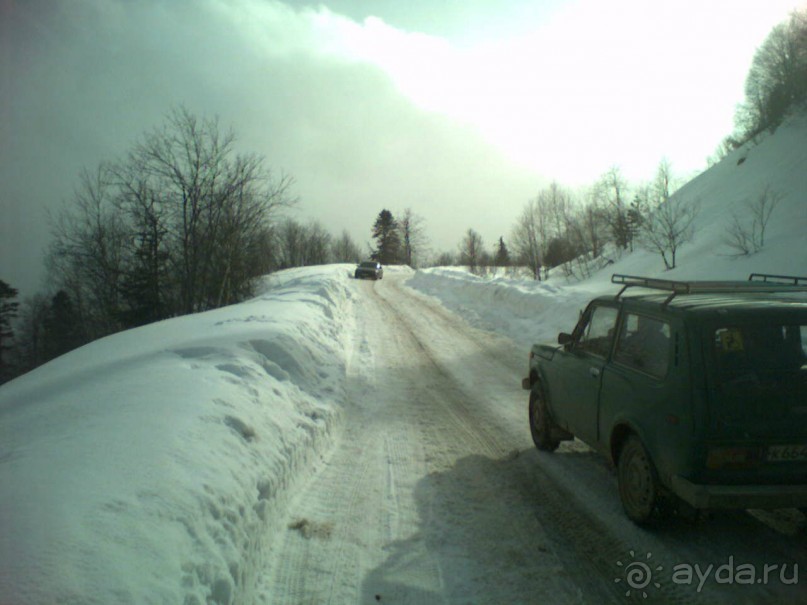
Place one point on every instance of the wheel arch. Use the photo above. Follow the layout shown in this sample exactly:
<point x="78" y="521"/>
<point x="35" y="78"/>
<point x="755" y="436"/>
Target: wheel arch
<point x="537" y="382"/>
<point x="619" y="435"/>
<point x="535" y="379"/>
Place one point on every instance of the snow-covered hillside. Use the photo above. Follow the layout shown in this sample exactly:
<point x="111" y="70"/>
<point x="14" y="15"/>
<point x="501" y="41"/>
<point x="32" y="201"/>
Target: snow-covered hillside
<point x="154" y="465"/>
<point x="529" y="311"/>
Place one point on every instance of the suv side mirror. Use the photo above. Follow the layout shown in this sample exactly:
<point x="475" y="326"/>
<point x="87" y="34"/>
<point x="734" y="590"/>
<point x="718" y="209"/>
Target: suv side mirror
<point x="564" y="338"/>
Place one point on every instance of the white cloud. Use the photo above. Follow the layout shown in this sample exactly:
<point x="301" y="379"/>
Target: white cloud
<point x="602" y="83"/>
<point x="366" y="115"/>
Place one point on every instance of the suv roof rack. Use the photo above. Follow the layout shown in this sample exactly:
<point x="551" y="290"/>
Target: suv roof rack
<point x="757" y="282"/>
<point x="782" y="279"/>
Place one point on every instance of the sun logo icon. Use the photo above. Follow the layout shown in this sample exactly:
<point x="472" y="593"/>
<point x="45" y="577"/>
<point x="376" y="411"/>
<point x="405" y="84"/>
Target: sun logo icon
<point x="638" y="575"/>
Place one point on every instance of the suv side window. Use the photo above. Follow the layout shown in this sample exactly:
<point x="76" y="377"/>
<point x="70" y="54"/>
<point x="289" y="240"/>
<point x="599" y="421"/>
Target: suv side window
<point x="644" y="344"/>
<point x="598" y="332"/>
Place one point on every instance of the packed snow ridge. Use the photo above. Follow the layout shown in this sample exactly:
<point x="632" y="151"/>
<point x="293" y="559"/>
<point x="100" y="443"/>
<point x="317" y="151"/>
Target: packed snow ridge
<point x="149" y="466"/>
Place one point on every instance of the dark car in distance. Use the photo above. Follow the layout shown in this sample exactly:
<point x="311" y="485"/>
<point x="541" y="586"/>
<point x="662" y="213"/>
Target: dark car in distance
<point x="369" y="269"/>
<point x="697" y="393"/>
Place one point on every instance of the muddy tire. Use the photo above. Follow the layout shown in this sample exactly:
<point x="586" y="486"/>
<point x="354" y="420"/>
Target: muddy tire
<point x="638" y="481"/>
<point x="541" y="423"/>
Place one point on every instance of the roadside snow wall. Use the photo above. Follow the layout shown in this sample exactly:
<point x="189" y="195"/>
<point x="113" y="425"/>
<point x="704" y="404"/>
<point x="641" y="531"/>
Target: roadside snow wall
<point x="151" y="466"/>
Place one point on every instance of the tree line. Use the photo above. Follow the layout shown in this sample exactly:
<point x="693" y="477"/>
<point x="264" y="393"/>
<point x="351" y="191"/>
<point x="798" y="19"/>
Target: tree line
<point x="581" y="233"/>
<point x="182" y="223"/>
<point x="775" y="85"/>
<point x="560" y="229"/>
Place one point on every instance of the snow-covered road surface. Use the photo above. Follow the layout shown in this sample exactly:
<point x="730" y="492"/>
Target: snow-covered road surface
<point x="433" y="492"/>
<point x="404" y="509"/>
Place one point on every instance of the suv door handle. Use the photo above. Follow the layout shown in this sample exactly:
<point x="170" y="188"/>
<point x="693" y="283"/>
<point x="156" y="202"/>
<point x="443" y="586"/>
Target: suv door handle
<point x="594" y="372"/>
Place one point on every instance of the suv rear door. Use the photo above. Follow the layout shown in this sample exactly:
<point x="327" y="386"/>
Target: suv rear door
<point x="757" y="405"/>
<point x="760" y="378"/>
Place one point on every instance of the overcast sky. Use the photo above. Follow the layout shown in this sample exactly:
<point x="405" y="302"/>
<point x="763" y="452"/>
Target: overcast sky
<point x="459" y="109"/>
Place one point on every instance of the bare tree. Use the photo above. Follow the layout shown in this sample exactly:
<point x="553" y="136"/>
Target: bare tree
<point x="612" y="193"/>
<point x="668" y="226"/>
<point x="412" y="237"/>
<point x="318" y="244"/>
<point x="444" y="259"/>
<point x="248" y="201"/>
<point x="579" y="249"/>
<point x="554" y="206"/>
<point x="146" y="283"/>
<point x="344" y="249"/>
<point x="214" y="201"/>
<point x="746" y="234"/>
<point x="301" y="245"/>
<point x="528" y="237"/>
<point x="289" y="240"/>
<point x="592" y="219"/>
<point x="471" y="250"/>
<point x="777" y="78"/>
<point x="178" y="225"/>
<point x="87" y="253"/>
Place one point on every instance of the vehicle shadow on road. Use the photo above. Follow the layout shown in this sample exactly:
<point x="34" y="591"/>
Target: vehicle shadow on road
<point x="478" y="542"/>
<point x="489" y="534"/>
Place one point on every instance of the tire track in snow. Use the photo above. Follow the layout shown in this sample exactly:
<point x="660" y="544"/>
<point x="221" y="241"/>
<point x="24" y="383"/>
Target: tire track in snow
<point x="361" y="489"/>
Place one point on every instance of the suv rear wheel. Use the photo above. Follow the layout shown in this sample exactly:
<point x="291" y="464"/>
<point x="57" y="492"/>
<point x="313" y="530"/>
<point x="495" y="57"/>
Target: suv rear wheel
<point x="540" y="422"/>
<point x="638" y="481"/>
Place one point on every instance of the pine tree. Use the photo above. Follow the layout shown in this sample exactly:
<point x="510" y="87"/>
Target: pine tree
<point x="502" y="254"/>
<point x="388" y="242"/>
<point x="62" y="333"/>
<point x="143" y="288"/>
<point x="8" y="311"/>
<point x="635" y="219"/>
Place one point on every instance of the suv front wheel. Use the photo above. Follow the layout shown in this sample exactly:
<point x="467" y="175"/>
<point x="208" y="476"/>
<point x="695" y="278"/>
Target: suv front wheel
<point x="540" y="422"/>
<point x="638" y="481"/>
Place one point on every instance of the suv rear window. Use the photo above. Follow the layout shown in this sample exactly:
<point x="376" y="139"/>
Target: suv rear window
<point x="644" y="344"/>
<point x="761" y="376"/>
<point x="762" y="350"/>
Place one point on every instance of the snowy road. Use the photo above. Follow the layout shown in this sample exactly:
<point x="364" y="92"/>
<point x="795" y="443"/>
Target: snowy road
<point x="433" y="492"/>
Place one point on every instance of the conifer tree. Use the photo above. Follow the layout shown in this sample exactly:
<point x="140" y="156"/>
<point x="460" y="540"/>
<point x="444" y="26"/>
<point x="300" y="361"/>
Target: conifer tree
<point x="8" y="311"/>
<point x="61" y="326"/>
<point x="502" y="254"/>
<point x="388" y="242"/>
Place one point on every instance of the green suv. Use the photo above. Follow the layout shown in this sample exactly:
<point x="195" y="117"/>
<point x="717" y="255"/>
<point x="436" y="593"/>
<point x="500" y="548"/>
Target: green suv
<point x="696" y="392"/>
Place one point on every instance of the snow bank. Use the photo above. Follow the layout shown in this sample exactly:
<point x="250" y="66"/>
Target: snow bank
<point x="148" y="466"/>
<point x="526" y="311"/>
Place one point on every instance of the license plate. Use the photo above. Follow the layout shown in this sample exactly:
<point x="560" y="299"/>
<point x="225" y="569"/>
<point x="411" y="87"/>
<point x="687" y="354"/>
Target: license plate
<point x="784" y="453"/>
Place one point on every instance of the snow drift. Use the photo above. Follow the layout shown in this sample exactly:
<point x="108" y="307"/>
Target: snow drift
<point x="147" y="466"/>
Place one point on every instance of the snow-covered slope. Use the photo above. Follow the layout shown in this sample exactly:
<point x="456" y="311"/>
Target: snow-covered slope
<point x="528" y="311"/>
<point x="145" y="467"/>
